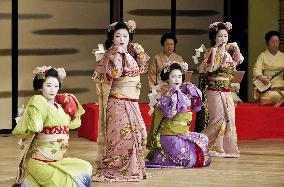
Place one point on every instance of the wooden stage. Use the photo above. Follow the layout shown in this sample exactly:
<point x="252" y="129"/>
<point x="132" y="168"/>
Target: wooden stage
<point x="261" y="164"/>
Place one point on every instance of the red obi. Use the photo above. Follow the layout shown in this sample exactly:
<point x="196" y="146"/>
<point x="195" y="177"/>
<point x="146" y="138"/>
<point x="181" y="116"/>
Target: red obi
<point x="56" y="130"/>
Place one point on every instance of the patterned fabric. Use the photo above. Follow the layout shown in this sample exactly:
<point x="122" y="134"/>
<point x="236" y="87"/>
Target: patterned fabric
<point x="169" y="141"/>
<point x="122" y="131"/>
<point x="218" y="116"/>
<point x="68" y="103"/>
<point x="179" y="100"/>
<point x="45" y="163"/>
<point x="56" y="130"/>
<point x="126" y="136"/>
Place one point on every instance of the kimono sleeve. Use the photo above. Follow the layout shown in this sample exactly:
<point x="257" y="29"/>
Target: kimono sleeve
<point x="258" y="66"/>
<point x="214" y="59"/>
<point x="152" y="73"/>
<point x="32" y="119"/>
<point x="76" y="122"/>
<point x="115" y="68"/>
<point x="72" y="107"/>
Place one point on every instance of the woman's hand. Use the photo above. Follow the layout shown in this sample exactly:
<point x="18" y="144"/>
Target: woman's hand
<point x="221" y="46"/>
<point x="263" y="79"/>
<point x="233" y="47"/>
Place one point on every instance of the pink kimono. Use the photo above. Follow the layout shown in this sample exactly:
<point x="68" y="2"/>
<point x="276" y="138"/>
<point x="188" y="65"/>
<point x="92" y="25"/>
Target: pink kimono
<point x="122" y="130"/>
<point x="219" y="111"/>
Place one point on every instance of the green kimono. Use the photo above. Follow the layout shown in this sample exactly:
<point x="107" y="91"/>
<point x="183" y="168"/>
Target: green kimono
<point x="47" y="128"/>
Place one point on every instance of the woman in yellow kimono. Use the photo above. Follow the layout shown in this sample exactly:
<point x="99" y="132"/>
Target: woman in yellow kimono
<point x="168" y="41"/>
<point x="44" y="129"/>
<point x="268" y="64"/>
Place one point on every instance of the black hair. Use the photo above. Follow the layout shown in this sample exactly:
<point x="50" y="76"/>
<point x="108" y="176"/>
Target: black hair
<point x="37" y="83"/>
<point x="213" y="32"/>
<point x="110" y="34"/>
<point x="166" y="36"/>
<point x="269" y="34"/>
<point x="165" y="75"/>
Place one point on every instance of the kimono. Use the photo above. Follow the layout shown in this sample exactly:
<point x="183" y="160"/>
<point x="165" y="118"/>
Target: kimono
<point x="46" y="128"/>
<point x="156" y="66"/>
<point x="267" y="65"/>
<point x="218" y="115"/>
<point x="122" y="132"/>
<point x="170" y="142"/>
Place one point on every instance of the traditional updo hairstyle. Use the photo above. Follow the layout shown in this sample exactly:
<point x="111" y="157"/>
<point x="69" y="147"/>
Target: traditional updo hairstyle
<point x="110" y="34"/>
<point x="213" y="32"/>
<point x="270" y="34"/>
<point x="38" y="82"/>
<point x="165" y="75"/>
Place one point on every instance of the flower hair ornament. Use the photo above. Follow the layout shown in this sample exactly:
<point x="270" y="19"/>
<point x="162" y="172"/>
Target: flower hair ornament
<point x="41" y="72"/>
<point x="131" y="25"/>
<point x="214" y="26"/>
<point x="184" y="66"/>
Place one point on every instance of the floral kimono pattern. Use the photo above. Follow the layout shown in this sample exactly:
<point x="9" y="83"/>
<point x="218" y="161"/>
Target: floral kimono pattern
<point x="122" y="130"/>
<point x="218" y="116"/>
<point x="170" y="143"/>
<point x="47" y="128"/>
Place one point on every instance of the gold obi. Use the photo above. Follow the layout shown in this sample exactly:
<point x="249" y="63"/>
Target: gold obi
<point x="126" y="87"/>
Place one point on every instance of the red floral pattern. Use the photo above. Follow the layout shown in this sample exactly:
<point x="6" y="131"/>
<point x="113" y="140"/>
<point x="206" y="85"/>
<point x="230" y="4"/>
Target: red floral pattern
<point x="68" y="103"/>
<point x="56" y="130"/>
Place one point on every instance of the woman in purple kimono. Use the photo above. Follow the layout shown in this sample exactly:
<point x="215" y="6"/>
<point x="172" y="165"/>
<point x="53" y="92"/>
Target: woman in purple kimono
<point x="170" y="142"/>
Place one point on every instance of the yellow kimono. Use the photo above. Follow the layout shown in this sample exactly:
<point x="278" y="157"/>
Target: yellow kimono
<point x="267" y="65"/>
<point x="156" y="66"/>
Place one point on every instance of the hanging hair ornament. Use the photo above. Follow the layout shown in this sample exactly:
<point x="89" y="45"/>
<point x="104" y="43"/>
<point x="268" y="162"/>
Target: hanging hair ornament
<point x="99" y="52"/>
<point x="214" y="25"/>
<point x="131" y="25"/>
<point x="184" y="66"/>
<point x="41" y="72"/>
<point x="201" y="49"/>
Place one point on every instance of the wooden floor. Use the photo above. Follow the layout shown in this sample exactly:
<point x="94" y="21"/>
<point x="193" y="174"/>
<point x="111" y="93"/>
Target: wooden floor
<point x="261" y="164"/>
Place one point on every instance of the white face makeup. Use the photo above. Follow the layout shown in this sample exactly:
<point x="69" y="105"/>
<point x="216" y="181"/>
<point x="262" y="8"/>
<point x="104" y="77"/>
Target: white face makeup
<point x="121" y="38"/>
<point x="175" y="78"/>
<point x="50" y="88"/>
<point x="221" y="37"/>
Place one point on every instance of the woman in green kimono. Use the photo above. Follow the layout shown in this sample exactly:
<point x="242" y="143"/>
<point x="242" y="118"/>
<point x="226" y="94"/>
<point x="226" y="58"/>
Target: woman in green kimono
<point x="44" y="129"/>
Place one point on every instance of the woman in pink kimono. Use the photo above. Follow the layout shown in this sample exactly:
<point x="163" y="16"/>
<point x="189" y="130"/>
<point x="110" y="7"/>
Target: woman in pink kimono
<point x="122" y="130"/>
<point x="217" y="69"/>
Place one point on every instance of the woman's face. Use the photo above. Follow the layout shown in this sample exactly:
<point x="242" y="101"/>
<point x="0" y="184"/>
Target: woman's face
<point x="50" y="88"/>
<point x="221" y="37"/>
<point x="175" y="78"/>
<point x="169" y="46"/>
<point x="273" y="44"/>
<point x="121" y="38"/>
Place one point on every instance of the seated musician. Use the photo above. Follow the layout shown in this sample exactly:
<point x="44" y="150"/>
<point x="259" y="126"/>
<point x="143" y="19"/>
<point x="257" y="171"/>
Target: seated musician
<point x="268" y="70"/>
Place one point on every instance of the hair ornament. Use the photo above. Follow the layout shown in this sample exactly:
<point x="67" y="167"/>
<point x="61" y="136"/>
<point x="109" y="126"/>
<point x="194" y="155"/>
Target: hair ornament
<point x="41" y="72"/>
<point x="214" y="26"/>
<point x="184" y="66"/>
<point x="131" y="25"/>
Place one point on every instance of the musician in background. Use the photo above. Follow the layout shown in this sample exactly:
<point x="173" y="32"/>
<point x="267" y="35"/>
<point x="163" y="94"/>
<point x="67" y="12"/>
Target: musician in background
<point x="168" y="41"/>
<point x="269" y="63"/>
